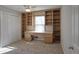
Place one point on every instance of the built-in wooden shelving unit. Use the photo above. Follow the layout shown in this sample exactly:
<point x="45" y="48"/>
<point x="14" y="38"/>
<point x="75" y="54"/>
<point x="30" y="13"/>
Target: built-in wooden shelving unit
<point x="48" y="17"/>
<point x="52" y="17"/>
<point x="26" y="21"/>
<point x="23" y="23"/>
<point x="29" y="18"/>
<point x="56" y="24"/>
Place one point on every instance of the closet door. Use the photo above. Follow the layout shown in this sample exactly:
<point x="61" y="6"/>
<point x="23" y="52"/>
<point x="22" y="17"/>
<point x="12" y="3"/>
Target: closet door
<point x="70" y="29"/>
<point x="13" y="28"/>
<point x="0" y="27"/>
<point x="75" y="28"/>
<point x="66" y="28"/>
<point x="10" y="28"/>
<point x="74" y="47"/>
<point x="4" y="29"/>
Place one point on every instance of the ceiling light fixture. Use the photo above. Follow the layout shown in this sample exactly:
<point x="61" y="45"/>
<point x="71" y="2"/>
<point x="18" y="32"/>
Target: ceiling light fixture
<point x="27" y="8"/>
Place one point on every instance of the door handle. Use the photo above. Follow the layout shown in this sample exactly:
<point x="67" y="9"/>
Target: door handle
<point x="72" y="48"/>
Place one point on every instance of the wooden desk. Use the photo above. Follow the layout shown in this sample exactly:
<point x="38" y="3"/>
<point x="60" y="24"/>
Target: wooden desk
<point x="48" y="36"/>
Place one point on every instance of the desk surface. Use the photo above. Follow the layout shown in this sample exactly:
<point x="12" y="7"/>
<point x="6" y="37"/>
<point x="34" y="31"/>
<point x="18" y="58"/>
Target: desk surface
<point x="39" y="32"/>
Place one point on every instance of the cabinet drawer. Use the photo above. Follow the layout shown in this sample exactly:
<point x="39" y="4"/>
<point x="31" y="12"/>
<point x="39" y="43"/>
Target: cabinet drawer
<point x="48" y="35"/>
<point x="48" y="39"/>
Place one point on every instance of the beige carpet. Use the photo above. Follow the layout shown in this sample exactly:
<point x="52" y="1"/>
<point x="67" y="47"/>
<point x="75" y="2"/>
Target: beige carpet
<point x="33" y="47"/>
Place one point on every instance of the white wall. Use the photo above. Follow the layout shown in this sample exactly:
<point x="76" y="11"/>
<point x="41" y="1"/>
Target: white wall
<point x="10" y="26"/>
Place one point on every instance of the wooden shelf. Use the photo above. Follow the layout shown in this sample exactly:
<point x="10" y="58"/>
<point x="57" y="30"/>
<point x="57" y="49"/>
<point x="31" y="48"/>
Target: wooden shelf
<point x="56" y="17"/>
<point x="56" y="24"/>
<point x="29" y="19"/>
<point x="49" y="23"/>
<point x="49" y="20"/>
<point x="48" y="17"/>
<point x="23" y="24"/>
<point x="26" y="20"/>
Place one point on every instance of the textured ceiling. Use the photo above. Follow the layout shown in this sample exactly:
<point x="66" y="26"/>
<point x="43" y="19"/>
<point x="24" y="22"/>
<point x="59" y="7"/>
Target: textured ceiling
<point x="21" y="8"/>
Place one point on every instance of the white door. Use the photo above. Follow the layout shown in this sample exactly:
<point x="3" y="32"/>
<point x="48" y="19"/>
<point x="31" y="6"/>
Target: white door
<point x="70" y="29"/>
<point x="75" y="27"/>
<point x="13" y="28"/>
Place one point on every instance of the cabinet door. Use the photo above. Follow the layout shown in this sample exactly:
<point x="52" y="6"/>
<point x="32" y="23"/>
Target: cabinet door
<point x="48" y="38"/>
